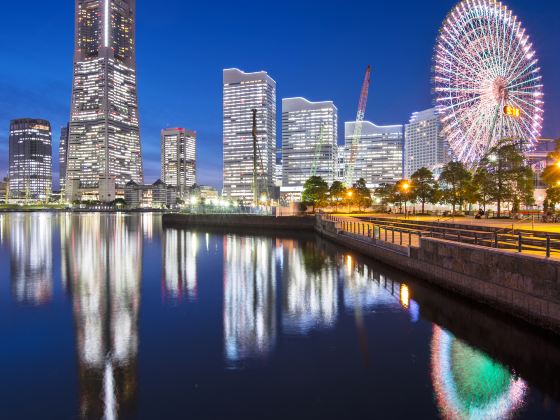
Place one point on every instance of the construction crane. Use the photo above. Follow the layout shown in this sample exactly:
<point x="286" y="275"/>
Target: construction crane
<point x="351" y="164"/>
<point x="318" y="149"/>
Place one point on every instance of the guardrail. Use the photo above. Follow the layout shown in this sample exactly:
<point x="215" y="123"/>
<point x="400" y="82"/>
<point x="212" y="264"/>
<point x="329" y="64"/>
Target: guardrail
<point x="401" y="233"/>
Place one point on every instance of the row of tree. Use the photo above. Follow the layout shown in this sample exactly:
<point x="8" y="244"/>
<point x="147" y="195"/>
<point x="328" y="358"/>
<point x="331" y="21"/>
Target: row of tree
<point x="501" y="177"/>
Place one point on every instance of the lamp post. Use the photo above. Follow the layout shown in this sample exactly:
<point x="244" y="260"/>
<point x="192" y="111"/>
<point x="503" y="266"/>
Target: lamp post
<point x="405" y="187"/>
<point x="349" y="194"/>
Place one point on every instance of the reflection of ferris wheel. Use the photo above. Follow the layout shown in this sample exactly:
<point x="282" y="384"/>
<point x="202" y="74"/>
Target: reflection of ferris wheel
<point x="485" y="67"/>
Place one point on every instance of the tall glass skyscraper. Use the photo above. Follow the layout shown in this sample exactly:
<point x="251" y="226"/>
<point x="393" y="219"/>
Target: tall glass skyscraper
<point x="178" y="159"/>
<point x="244" y="92"/>
<point x="309" y="143"/>
<point x="380" y="153"/>
<point x="425" y="146"/>
<point x="63" y="156"/>
<point x="104" y="150"/>
<point x="30" y="166"/>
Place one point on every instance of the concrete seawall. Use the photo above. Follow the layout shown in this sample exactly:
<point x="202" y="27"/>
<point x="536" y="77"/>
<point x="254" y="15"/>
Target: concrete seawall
<point x="240" y="221"/>
<point x="524" y="286"/>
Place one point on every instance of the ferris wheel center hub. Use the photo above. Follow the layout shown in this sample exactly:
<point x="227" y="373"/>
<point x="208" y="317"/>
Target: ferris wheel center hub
<point x="500" y="90"/>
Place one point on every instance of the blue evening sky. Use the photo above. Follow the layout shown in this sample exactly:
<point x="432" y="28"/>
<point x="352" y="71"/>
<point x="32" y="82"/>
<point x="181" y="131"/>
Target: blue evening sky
<point x="316" y="49"/>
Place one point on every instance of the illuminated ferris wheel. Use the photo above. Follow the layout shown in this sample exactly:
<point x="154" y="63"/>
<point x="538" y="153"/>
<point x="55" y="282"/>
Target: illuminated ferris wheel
<point x="487" y="80"/>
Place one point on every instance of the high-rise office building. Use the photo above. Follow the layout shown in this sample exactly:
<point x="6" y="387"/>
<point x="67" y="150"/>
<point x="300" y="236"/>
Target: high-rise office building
<point x="309" y="143"/>
<point x="30" y="165"/>
<point x="63" y="156"/>
<point x="425" y="146"/>
<point x="379" y="156"/>
<point x="104" y="150"/>
<point x="243" y="93"/>
<point x="178" y="159"/>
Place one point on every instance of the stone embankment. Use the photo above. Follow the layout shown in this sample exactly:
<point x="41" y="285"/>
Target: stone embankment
<point x="524" y="286"/>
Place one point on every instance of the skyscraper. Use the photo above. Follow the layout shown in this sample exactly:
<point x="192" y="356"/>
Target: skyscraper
<point x="63" y="156"/>
<point x="30" y="166"/>
<point x="425" y="146"/>
<point x="379" y="157"/>
<point x="104" y="150"/>
<point x="178" y="159"/>
<point x="309" y="143"/>
<point x="243" y="93"/>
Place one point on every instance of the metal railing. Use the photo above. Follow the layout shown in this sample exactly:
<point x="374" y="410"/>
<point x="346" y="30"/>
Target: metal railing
<point x="408" y="235"/>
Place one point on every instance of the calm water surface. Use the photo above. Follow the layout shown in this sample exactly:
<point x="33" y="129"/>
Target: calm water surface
<point x="113" y="316"/>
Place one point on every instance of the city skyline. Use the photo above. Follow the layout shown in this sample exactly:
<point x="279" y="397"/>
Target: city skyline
<point x="400" y="82"/>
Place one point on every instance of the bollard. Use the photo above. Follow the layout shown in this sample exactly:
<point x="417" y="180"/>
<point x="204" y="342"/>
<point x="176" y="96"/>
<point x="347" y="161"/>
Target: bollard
<point x="520" y="243"/>
<point x="409" y="238"/>
<point x="400" y="236"/>
<point x="475" y="239"/>
<point x="547" y="246"/>
<point x="393" y="235"/>
<point x="496" y="240"/>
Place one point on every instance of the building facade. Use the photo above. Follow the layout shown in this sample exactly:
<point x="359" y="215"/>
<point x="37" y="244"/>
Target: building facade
<point x="63" y="157"/>
<point x="425" y="146"/>
<point x="104" y="150"/>
<point x="30" y="159"/>
<point x="156" y="195"/>
<point x="178" y="159"/>
<point x="243" y="93"/>
<point x="379" y="156"/>
<point x="309" y="143"/>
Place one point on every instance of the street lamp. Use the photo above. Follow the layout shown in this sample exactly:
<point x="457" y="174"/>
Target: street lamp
<point x="349" y="194"/>
<point x="405" y="187"/>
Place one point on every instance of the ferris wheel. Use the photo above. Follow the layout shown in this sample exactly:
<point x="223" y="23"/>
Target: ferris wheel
<point x="487" y="80"/>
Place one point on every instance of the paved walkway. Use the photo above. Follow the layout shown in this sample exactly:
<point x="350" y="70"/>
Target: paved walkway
<point x="471" y="221"/>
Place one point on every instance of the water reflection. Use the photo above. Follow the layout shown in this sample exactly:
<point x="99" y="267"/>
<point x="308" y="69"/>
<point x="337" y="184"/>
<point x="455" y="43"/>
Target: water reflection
<point x="470" y="385"/>
<point x="249" y="297"/>
<point x="30" y="239"/>
<point x="102" y="261"/>
<point x="179" y="249"/>
<point x="309" y="285"/>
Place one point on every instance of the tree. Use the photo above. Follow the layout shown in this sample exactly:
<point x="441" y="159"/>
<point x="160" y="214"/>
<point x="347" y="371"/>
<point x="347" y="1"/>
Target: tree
<point x="552" y="197"/>
<point x="454" y="178"/>
<point x="482" y="179"/>
<point x="315" y="192"/>
<point x="361" y="194"/>
<point x="385" y="193"/>
<point x="511" y="179"/>
<point x="337" y="193"/>
<point x="551" y="174"/>
<point x="423" y="186"/>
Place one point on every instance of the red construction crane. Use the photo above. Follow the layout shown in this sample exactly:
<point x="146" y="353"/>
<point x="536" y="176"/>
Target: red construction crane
<point x="350" y="165"/>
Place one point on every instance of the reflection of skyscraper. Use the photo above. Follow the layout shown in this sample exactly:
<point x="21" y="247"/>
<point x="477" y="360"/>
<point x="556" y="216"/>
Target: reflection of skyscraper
<point x="103" y="265"/>
<point x="309" y="288"/>
<point x="104" y="141"/>
<point x="179" y="264"/>
<point x="365" y="288"/>
<point x="30" y="238"/>
<point x="249" y="297"/>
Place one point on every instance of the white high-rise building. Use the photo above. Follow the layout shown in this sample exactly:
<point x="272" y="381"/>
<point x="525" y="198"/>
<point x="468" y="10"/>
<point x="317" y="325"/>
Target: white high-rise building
<point x="178" y="159"/>
<point x="309" y="143"/>
<point x="243" y="93"/>
<point x="379" y="157"/>
<point x="104" y="150"/>
<point x="424" y="147"/>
